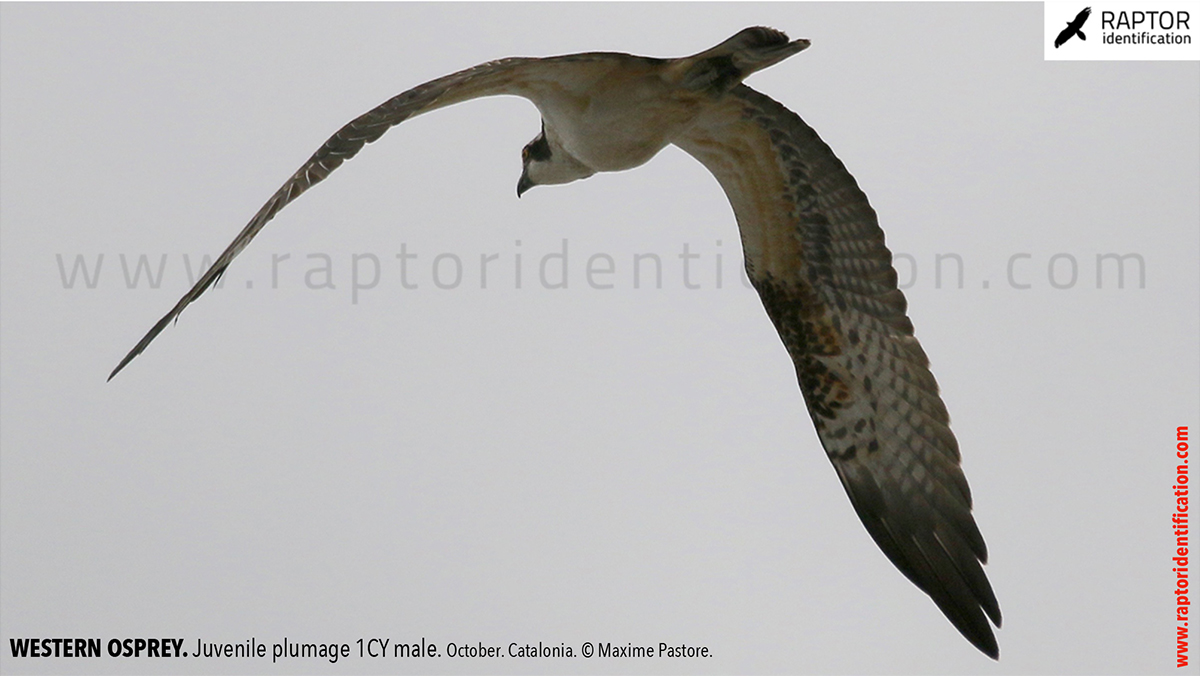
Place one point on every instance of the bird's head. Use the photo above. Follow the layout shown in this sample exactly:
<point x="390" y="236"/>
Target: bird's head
<point x="545" y="162"/>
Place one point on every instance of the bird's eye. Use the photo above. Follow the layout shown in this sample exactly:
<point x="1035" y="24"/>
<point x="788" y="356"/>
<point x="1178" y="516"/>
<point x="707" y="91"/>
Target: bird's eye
<point x="525" y="154"/>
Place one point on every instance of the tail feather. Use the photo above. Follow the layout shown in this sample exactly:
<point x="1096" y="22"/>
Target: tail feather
<point x="725" y="66"/>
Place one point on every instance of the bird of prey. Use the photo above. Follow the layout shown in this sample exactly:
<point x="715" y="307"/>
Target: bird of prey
<point x="813" y="250"/>
<point x="1073" y="28"/>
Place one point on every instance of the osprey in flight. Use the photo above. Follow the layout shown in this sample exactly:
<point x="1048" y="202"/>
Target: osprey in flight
<point x="814" y="251"/>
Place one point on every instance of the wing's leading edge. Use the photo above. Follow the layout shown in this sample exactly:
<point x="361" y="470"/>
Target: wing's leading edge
<point x="504" y="76"/>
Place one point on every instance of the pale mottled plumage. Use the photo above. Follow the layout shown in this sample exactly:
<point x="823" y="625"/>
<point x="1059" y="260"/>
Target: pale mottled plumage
<point x="814" y="251"/>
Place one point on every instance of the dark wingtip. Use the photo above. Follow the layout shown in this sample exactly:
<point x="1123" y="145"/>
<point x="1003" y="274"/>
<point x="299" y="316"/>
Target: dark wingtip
<point x="128" y="358"/>
<point x="993" y="653"/>
<point x="214" y="273"/>
<point x="150" y="336"/>
<point x="132" y="353"/>
<point x="987" y="645"/>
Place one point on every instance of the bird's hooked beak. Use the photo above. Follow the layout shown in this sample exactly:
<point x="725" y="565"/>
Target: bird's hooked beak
<point x="524" y="183"/>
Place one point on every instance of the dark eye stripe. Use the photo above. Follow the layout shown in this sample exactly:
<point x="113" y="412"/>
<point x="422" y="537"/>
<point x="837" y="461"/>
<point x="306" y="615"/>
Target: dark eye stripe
<point x="539" y="149"/>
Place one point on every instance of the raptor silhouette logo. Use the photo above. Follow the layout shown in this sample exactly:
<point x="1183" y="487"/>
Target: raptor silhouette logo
<point x="1074" y="27"/>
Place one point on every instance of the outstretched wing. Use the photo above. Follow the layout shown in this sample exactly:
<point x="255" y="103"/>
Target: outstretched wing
<point x="1081" y="18"/>
<point x="816" y="254"/>
<point x="505" y="76"/>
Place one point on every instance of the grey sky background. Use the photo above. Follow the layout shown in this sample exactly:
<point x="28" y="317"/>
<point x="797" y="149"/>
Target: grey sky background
<point x="565" y="465"/>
